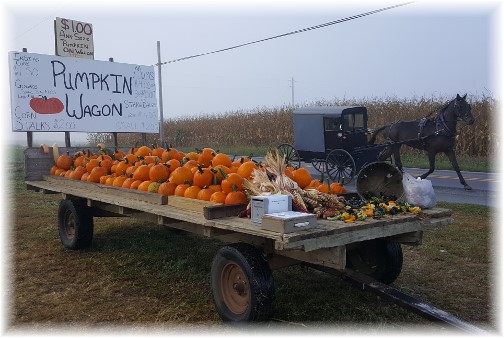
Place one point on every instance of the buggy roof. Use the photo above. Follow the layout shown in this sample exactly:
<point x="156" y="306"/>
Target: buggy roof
<point x="326" y="111"/>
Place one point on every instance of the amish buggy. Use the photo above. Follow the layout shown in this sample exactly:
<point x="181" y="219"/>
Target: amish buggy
<point x="335" y="139"/>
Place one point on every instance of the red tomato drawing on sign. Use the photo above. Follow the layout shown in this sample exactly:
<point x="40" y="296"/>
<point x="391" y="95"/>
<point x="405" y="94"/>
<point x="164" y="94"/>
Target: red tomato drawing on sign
<point x="43" y="105"/>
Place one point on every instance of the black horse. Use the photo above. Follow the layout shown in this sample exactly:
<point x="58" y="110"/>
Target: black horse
<point x="434" y="135"/>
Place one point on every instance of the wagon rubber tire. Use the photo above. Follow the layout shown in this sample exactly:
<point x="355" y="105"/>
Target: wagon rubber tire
<point x="242" y="284"/>
<point x="379" y="259"/>
<point x="340" y="166"/>
<point x="75" y="224"/>
<point x="291" y="155"/>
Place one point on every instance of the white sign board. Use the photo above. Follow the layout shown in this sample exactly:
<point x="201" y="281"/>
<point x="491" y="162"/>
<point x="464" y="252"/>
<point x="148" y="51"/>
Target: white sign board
<point x="74" y="38"/>
<point x="51" y="93"/>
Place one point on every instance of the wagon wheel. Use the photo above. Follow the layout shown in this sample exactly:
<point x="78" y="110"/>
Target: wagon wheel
<point x="291" y="155"/>
<point x="75" y="224"/>
<point x="340" y="166"/>
<point x="379" y="259"/>
<point x="242" y="284"/>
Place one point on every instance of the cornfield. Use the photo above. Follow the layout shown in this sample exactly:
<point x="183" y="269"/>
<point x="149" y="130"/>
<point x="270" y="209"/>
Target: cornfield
<point x="268" y="127"/>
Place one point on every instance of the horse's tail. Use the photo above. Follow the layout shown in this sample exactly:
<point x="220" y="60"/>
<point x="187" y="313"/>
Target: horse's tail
<point x="375" y="134"/>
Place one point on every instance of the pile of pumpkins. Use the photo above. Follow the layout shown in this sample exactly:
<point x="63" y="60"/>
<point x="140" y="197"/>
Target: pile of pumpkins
<point x="204" y="174"/>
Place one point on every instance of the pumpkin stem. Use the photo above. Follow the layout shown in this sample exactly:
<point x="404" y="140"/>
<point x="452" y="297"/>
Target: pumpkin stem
<point x="214" y="178"/>
<point x="200" y="168"/>
<point x="224" y="175"/>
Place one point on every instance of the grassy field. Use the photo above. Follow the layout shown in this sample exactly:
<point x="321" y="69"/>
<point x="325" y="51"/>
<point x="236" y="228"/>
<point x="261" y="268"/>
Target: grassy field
<point x="271" y="126"/>
<point x="139" y="275"/>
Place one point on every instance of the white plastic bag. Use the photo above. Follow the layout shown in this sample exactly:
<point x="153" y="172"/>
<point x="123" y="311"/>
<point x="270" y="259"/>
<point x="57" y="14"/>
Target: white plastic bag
<point x="418" y="192"/>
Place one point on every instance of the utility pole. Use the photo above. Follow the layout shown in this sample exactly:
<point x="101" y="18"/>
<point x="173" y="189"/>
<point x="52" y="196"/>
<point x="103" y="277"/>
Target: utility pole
<point x="161" y="121"/>
<point x="292" y="87"/>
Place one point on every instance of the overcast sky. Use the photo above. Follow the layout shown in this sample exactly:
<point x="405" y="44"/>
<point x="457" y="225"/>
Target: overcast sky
<point x="421" y="49"/>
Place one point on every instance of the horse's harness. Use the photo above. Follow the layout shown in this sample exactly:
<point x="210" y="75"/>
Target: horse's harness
<point x="441" y="127"/>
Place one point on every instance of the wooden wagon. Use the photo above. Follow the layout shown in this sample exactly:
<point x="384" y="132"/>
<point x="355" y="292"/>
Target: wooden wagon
<point x="241" y="273"/>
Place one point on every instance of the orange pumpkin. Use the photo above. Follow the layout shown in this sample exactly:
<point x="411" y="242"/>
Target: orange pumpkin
<point x="144" y="186"/>
<point x="218" y="197"/>
<point x="180" y="189"/>
<point x="302" y="177"/>
<point x="78" y="172"/>
<point x="64" y="162"/>
<point x="143" y="151"/>
<point x="246" y="169"/>
<point x="206" y="156"/>
<point x="173" y="164"/>
<point x="235" y="197"/>
<point x="181" y="175"/>
<point x="158" y="172"/>
<point x="127" y="182"/>
<point x="337" y="188"/>
<point x="205" y="194"/>
<point x="203" y="177"/>
<point x="221" y="159"/>
<point x="192" y="192"/>
<point x="142" y="173"/>
<point x="232" y="182"/>
<point x="96" y="173"/>
<point x="135" y="184"/>
<point x="167" y="188"/>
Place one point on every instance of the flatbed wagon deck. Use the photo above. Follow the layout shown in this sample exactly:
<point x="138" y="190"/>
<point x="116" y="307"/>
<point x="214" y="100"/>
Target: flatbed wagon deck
<point x="187" y="214"/>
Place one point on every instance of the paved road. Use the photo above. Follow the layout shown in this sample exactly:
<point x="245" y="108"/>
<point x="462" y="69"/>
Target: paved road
<point x="447" y="185"/>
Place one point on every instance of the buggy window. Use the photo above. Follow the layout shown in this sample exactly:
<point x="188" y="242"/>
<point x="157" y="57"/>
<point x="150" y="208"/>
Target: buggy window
<point x="359" y="121"/>
<point x="353" y="121"/>
<point x="348" y="122"/>
<point x="333" y="124"/>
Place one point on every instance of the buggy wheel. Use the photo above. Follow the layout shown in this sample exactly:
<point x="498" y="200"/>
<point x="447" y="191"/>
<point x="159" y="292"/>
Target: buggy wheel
<point x="340" y="166"/>
<point x="291" y="155"/>
<point x="319" y="165"/>
<point x="242" y="284"/>
<point x="75" y="224"/>
<point x="379" y="259"/>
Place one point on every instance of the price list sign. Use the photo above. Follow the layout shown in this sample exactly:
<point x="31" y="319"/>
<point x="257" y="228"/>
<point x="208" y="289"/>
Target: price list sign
<point x="53" y="93"/>
<point x="74" y="38"/>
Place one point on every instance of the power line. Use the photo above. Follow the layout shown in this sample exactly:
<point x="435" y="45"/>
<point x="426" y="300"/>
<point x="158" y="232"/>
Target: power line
<point x="290" y="33"/>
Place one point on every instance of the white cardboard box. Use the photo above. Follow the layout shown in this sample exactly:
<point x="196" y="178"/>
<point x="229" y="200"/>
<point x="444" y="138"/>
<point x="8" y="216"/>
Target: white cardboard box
<point x="262" y="205"/>
<point x="288" y="221"/>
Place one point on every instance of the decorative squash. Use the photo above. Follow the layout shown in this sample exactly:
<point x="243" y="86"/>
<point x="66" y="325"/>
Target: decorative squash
<point x="153" y="187"/>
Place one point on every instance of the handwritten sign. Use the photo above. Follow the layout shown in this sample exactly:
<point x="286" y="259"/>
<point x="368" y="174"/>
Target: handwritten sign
<point x="51" y="93"/>
<point x="74" y="38"/>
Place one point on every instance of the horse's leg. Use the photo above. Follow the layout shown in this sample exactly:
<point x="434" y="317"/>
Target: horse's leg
<point x="451" y="156"/>
<point x="397" y="158"/>
<point x="432" y="164"/>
